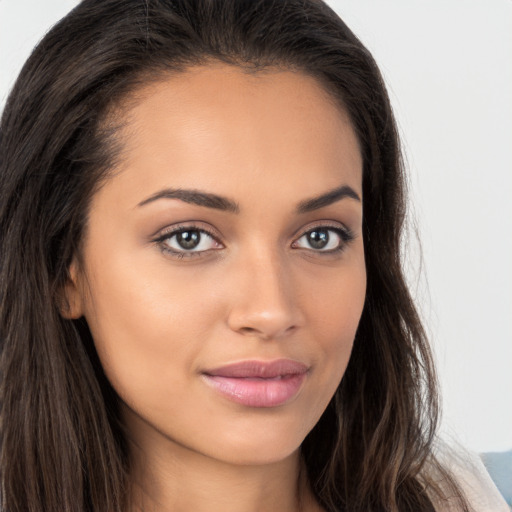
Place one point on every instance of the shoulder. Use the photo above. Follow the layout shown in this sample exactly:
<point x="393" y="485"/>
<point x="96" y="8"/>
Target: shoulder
<point x="473" y="479"/>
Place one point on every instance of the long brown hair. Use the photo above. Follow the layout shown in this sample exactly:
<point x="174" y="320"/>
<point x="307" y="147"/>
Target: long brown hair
<point x="62" y="443"/>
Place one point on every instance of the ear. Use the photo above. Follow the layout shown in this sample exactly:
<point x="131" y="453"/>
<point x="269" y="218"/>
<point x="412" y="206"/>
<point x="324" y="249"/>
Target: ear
<point x="70" y="300"/>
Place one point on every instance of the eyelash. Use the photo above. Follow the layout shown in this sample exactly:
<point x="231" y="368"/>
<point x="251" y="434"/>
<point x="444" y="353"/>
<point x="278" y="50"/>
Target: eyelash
<point x="162" y="240"/>
<point x="345" y="235"/>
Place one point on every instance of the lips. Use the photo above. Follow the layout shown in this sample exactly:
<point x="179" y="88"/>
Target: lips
<point x="258" y="383"/>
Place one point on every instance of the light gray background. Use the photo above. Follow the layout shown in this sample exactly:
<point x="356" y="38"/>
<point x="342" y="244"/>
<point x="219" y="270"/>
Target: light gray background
<point x="448" y="65"/>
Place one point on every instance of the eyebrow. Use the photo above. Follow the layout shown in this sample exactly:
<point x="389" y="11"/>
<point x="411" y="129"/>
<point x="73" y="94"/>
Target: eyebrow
<point x="195" y="197"/>
<point x="315" y="203"/>
<point x="217" y="202"/>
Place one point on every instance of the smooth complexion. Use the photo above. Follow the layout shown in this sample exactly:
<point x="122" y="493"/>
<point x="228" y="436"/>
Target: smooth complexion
<point x="228" y="237"/>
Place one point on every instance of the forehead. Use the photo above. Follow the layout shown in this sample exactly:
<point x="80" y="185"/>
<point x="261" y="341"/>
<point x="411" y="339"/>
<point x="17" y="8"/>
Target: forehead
<point x="221" y="126"/>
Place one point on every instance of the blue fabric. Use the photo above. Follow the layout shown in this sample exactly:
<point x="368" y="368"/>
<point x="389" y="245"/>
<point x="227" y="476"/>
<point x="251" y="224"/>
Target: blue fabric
<point x="499" y="466"/>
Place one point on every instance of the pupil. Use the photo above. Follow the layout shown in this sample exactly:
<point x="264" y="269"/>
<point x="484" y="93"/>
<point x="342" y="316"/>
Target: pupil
<point x="188" y="239"/>
<point x="318" y="239"/>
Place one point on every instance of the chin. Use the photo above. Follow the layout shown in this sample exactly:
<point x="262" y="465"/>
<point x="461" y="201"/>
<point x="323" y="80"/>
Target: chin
<point x="256" y="455"/>
<point x="260" y="442"/>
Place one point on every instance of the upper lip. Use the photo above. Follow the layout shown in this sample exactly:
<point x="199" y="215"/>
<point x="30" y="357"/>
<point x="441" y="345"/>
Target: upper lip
<point x="259" y="369"/>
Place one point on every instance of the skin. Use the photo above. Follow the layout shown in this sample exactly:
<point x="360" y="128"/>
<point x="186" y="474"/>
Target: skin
<point x="256" y="290"/>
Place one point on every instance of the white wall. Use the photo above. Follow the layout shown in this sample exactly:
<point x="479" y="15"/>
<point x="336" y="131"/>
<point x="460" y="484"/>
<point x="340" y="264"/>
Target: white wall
<point x="448" y="65"/>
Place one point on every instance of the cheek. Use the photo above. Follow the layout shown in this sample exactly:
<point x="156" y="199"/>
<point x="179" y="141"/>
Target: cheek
<point x="336" y="305"/>
<point x="146" y="324"/>
<point x="334" y="313"/>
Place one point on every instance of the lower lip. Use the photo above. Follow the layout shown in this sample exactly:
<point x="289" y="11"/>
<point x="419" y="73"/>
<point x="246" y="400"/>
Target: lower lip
<point x="253" y="392"/>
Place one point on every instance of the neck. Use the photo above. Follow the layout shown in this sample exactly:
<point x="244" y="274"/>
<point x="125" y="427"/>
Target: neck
<point x="182" y="482"/>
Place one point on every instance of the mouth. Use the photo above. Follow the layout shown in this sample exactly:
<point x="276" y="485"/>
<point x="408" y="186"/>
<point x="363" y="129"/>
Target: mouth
<point x="258" y="383"/>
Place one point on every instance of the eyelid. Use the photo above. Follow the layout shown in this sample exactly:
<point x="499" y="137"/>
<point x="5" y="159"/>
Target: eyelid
<point x="343" y="231"/>
<point x="171" y="231"/>
<point x="183" y="226"/>
<point x="326" y="224"/>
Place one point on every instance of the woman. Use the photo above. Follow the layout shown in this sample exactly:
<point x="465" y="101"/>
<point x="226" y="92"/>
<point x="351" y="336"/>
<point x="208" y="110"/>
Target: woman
<point x="202" y="300"/>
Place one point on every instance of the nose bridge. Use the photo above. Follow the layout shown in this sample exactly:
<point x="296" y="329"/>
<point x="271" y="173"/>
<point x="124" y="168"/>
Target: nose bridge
<point x="264" y="304"/>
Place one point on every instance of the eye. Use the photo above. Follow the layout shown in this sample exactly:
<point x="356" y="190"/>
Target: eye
<point x="324" y="239"/>
<point x="188" y="241"/>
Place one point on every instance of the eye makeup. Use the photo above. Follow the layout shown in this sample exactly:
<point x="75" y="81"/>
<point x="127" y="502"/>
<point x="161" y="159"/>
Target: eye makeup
<point x="193" y="240"/>
<point x="188" y="240"/>
<point x="324" y="239"/>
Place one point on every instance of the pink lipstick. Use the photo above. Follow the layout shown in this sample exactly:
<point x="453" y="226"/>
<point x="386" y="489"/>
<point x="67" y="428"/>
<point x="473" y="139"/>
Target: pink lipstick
<point x="258" y="383"/>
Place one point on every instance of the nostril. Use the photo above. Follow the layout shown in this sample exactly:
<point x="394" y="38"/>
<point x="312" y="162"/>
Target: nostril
<point x="261" y="333"/>
<point x="248" y="330"/>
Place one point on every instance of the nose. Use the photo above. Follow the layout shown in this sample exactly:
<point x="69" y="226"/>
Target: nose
<point x="264" y="304"/>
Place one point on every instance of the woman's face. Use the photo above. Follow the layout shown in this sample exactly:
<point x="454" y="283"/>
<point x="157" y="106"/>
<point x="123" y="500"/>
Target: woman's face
<point x="223" y="272"/>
